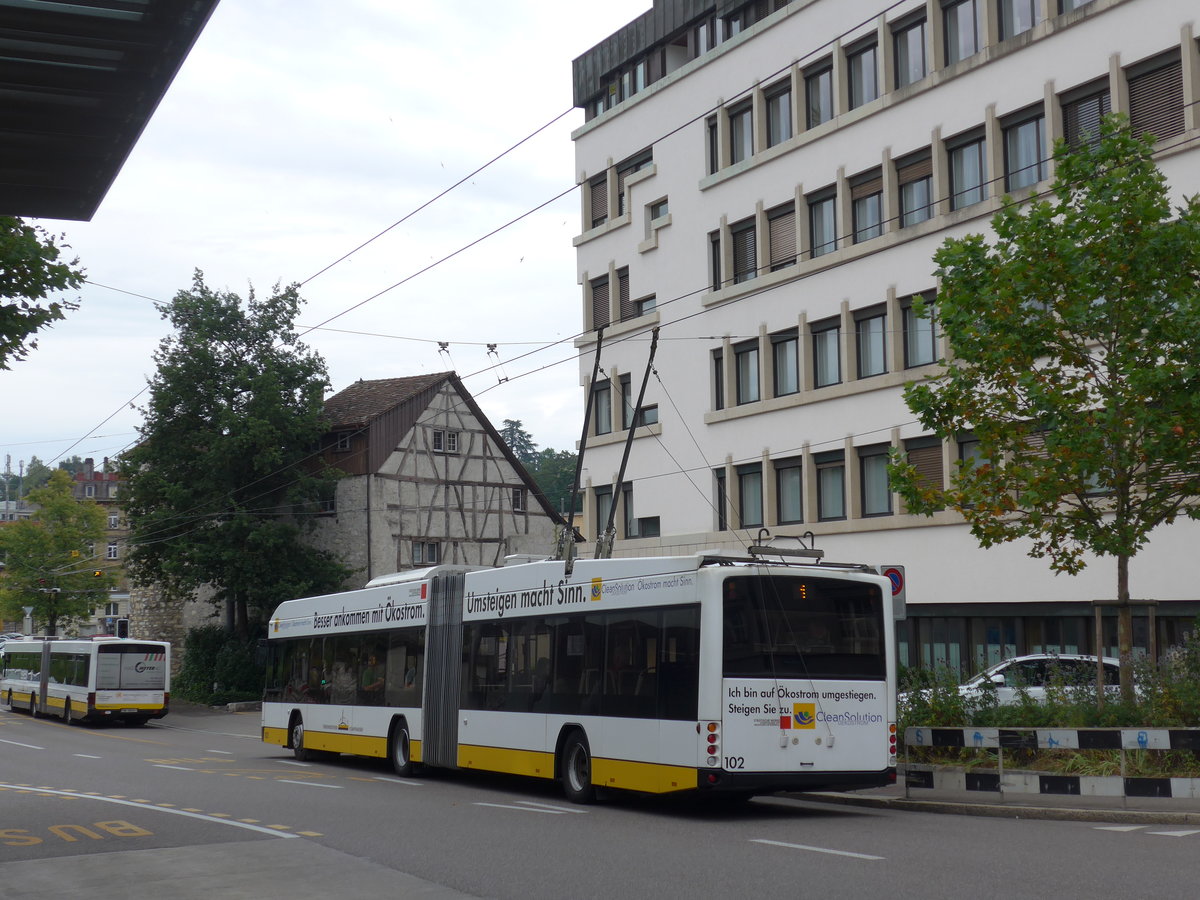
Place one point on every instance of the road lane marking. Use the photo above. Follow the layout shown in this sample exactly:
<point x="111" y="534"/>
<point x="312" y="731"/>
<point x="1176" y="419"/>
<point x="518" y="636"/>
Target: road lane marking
<point x="549" y="812"/>
<point x="1119" y="827"/>
<point x="223" y="752"/>
<point x="176" y="768"/>
<point x="562" y="809"/>
<point x="401" y="781"/>
<point x="292" y="762"/>
<point x="1175" y="833"/>
<point x="815" y="849"/>
<point x="19" y="744"/>
<point x="307" y="783"/>
<point x="89" y="756"/>
<point x="220" y="818"/>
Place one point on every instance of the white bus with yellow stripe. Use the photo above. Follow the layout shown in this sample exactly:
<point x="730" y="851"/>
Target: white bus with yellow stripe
<point x="105" y="678"/>
<point x="707" y="672"/>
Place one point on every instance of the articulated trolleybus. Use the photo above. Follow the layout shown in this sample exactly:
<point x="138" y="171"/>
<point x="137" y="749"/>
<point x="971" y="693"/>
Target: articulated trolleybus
<point x="101" y="679"/>
<point x="712" y="672"/>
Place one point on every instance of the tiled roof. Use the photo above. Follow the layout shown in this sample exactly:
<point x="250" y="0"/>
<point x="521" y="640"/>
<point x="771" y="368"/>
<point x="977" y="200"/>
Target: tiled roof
<point x="363" y="401"/>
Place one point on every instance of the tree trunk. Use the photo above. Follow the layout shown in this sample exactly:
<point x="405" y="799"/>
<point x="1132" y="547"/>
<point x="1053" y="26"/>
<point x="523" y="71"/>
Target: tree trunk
<point x="1124" y="628"/>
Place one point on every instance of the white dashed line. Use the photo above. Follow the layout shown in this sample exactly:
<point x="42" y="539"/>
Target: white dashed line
<point x="549" y="812"/>
<point x="308" y="783"/>
<point x="816" y="849"/>
<point x="400" y="781"/>
<point x="19" y="744"/>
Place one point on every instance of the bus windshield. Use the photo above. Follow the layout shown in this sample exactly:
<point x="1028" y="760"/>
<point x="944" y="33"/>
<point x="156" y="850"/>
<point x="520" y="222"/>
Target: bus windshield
<point x="786" y="626"/>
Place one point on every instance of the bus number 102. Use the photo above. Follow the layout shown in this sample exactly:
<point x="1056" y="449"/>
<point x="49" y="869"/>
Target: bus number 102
<point x="735" y="762"/>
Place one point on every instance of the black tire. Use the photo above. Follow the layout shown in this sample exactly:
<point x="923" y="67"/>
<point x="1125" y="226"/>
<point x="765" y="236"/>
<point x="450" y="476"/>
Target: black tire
<point x="400" y="750"/>
<point x="299" y="751"/>
<point x="576" y="770"/>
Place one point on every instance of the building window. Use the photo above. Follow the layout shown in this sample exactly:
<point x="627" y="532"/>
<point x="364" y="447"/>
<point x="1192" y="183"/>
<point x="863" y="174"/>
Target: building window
<point x="645" y="305"/>
<point x="745" y="259"/>
<point x="915" y="177"/>
<point x="831" y="485"/>
<point x="112" y="609"/>
<point x="1068" y="5"/>
<point x="1017" y="17"/>
<point x="721" y="495"/>
<point x="785" y="362"/>
<point x="741" y="132"/>
<point x="341" y="441"/>
<point x="864" y="79"/>
<point x="718" y="368"/>
<point x="600" y="305"/>
<point x="445" y="441"/>
<point x="598" y="200"/>
<point x="871" y="338"/>
<point x="114" y="521"/>
<point x="789" y="480"/>
<point x="425" y="553"/>
<point x="822" y="222"/>
<point x="1082" y="115"/>
<point x="649" y="526"/>
<point x="712" y="143"/>
<point x="89" y="490"/>
<point x="603" y="507"/>
<point x="781" y="234"/>
<point x="827" y="367"/>
<point x="920" y="343"/>
<point x="602" y="406"/>
<point x="750" y="501"/>
<point x="746" y="365"/>
<point x="1156" y="97"/>
<point x="909" y="46"/>
<point x="818" y="95"/>
<point x="968" y="173"/>
<point x="112" y="550"/>
<point x="866" y="195"/>
<point x="964" y="29"/>
<point x="876" y="493"/>
<point x="631" y="524"/>
<point x="518" y="499"/>
<point x="624" y="170"/>
<point x="925" y="455"/>
<point x="715" y="260"/>
<point x="779" y="113"/>
<point x="627" y="401"/>
<point x="1024" y="162"/>
<point x="624" y="303"/>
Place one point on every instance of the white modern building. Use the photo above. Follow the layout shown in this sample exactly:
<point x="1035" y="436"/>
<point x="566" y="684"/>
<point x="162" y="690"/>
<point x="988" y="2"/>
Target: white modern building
<point x="767" y="183"/>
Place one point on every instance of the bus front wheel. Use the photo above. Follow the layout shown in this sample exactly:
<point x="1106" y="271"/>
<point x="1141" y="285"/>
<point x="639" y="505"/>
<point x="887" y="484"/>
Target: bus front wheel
<point x="298" y="749"/>
<point x="400" y="750"/>
<point x="577" y="769"/>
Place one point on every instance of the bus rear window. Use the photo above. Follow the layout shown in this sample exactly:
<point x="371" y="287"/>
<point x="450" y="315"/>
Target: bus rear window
<point x="802" y="627"/>
<point x="131" y="667"/>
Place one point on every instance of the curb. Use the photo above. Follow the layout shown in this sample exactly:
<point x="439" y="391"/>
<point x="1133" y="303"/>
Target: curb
<point x="244" y="706"/>
<point x="1006" y="811"/>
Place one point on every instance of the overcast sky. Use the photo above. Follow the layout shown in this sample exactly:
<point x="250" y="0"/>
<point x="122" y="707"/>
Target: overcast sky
<point x="295" y="131"/>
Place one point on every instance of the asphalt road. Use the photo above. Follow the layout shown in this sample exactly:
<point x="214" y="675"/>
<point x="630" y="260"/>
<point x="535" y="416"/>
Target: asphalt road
<point x="196" y="806"/>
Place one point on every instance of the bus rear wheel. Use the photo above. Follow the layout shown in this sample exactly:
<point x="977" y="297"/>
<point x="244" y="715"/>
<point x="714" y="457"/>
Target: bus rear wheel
<point x="400" y="750"/>
<point x="577" y="769"/>
<point x="298" y="749"/>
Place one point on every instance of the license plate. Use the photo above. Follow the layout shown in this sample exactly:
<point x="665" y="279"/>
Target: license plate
<point x="129" y="710"/>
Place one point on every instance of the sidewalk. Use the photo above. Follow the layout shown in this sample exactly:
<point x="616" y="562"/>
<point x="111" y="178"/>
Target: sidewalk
<point x="1118" y="810"/>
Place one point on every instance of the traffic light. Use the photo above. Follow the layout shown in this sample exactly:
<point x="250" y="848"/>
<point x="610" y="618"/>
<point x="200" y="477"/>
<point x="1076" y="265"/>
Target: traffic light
<point x="122" y="628"/>
<point x="97" y="573"/>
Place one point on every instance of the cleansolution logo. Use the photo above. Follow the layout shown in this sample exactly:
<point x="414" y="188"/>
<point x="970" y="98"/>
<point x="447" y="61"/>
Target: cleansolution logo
<point x="804" y="715"/>
<point x="597" y="588"/>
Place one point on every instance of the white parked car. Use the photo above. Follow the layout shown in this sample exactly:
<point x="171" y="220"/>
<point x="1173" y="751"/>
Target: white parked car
<point x="1029" y="675"/>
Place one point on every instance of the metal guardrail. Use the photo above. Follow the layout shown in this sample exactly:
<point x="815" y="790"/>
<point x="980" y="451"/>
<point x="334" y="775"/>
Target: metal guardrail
<point x="1024" y="782"/>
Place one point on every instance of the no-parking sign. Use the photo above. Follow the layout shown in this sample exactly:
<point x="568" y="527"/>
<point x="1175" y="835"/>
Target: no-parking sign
<point x="895" y="574"/>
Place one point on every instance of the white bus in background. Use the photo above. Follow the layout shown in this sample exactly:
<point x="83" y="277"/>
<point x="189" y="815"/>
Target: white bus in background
<point x="709" y="672"/>
<point x="101" y="679"/>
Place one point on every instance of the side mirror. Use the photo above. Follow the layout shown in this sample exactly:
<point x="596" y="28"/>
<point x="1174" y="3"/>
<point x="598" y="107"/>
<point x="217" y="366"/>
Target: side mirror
<point x="997" y="679"/>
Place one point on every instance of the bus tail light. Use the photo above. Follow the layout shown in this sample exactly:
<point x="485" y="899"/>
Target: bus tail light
<point x="711" y="732"/>
<point x="892" y="740"/>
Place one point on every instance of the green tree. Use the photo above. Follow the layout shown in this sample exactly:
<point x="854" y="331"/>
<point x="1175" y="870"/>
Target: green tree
<point x="222" y="483"/>
<point x="30" y="270"/>
<point x="37" y="473"/>
<point x="1074" y="345"/>
<point x="519" y="441"/>
<point x="554" y="472"/>
<point x="50" y="561"/>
